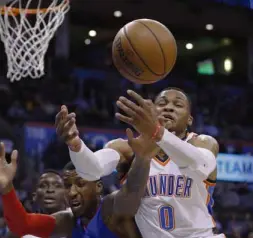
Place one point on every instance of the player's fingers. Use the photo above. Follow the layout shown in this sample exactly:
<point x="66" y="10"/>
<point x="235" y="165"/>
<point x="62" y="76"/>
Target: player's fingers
<point x="69" y="125"/>
<point x="63" y="113"/>
<point x="130" y="136"/>
<point x="58" y="118"/>
<point x="64" y="108"/>
<point x="69" y="130"/>
<point x="2" y="150"/>
<point x="139" y="99"/>
<point x="61" y="125"/>
<point x="125" y="119"/>
<point x="71" y="136"/>
<point x="131" y="105"/>
<point x="14" y="158"/>
<point x="148" y="102"/>
<point x="126" y="109"/>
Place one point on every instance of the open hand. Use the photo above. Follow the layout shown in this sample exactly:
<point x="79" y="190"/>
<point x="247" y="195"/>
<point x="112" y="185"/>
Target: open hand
<point x="7" y="171"/>
<point x="66" y="129"/>
<point x="142" y="147"/>
<point x="142" y="116"/>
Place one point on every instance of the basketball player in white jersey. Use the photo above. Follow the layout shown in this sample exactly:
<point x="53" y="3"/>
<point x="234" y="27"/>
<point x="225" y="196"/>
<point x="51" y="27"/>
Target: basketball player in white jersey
<point x="178" y="199"/>
<point x="49" y="195"/>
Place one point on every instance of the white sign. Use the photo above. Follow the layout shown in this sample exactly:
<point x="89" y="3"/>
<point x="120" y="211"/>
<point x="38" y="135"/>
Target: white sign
<point x="237" y="168"/>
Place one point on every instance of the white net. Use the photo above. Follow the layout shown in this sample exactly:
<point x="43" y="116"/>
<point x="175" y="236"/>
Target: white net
<point x="26" y="42"/>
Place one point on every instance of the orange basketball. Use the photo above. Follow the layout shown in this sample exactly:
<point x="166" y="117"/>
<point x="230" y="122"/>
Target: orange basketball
<point x="144" y="51"/>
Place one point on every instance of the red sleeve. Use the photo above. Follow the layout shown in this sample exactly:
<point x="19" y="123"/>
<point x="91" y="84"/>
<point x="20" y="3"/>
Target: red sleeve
<point x="22" y="223"/>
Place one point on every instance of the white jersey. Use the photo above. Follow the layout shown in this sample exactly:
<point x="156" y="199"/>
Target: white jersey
<point x="176" y="203"/>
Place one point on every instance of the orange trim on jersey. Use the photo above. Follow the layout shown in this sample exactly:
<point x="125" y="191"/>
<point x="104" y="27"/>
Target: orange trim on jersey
<point x="214" y="223"/>
<point x="123" y="179"/>
<point x="191" y="135"/>
<point x="209" y="183"/>
<point x="157" y="160"/>
<point x="163" y="163"/>
<point x="209" y="197"/>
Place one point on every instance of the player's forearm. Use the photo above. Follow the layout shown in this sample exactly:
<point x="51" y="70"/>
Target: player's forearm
<point x="138" y="176"/>
<point x="185" y="154"/>
<point x="129" y="197"/>
<point x="22" y="223"/>
<point x="92" y="166"/>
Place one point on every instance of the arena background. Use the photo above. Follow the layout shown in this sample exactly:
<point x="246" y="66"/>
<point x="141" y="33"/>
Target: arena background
<point x="215" y="66"/>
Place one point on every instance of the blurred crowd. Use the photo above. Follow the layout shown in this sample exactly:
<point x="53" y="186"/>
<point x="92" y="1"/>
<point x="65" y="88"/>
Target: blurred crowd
<point x="217" y="107"/>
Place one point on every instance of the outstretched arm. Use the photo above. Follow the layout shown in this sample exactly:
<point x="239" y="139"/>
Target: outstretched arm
<point x="90" y="166"/>
<point x="199" y="154"/>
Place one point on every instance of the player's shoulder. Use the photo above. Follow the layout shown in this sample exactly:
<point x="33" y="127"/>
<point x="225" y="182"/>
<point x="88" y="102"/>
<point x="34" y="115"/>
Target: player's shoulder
<point x="202" y="137"/>
<point x="64" y="223"/>
<point x="121" y="146"/>
<point x="115" y="142"/>
<point x="64" y="216"/>
<point x="206" y="138"/>
<point x="206" y="142"/>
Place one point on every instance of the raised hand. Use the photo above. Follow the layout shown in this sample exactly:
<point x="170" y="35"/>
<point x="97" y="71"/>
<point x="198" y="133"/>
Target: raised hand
<point x="7" y="171"/>
<point x="142" y="116"/>
<point x="142" y="147"/>
<point x="66" y="129"/>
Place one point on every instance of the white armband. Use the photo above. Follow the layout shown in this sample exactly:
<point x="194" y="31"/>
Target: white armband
<point x="92" y="166"/>
<point x="186" y="155"/>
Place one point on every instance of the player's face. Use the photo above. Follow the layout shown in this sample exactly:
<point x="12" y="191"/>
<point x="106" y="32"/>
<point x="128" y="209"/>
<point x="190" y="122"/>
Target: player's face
<point x="174" y="109"/>
<point x="82" y="195"/>
<point x="50" y="192"/>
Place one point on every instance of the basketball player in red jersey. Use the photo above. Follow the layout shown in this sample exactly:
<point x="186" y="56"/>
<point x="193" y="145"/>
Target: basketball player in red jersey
<point x="192" y="168"/>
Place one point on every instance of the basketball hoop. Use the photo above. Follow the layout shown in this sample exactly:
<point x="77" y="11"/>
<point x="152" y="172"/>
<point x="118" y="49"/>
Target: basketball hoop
<point x="25" y="43"/>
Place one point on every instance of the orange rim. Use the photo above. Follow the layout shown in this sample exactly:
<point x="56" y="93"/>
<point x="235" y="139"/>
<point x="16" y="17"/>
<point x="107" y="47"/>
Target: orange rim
<point x="16" y="11"/>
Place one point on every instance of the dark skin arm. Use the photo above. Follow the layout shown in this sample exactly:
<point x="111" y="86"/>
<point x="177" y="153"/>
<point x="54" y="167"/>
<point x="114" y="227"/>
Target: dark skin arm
<point x="119" y="208"/>
<point x="64" y="224"/>
<point x="126" y="201"/>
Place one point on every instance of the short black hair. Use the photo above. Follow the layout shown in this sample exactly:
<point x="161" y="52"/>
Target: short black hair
<point x="179" y="90"/>
<point x="51" y="171"/>
<point x="46" y="171"/>
<point x="70" y="166"/>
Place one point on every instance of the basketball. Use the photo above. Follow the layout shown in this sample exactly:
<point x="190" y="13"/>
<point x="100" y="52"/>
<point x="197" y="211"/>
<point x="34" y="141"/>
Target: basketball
<point x="144" y="51"/>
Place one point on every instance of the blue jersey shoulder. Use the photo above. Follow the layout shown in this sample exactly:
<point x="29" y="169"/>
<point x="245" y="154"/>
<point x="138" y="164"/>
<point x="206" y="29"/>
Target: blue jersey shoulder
<point x="95" y="229"/>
